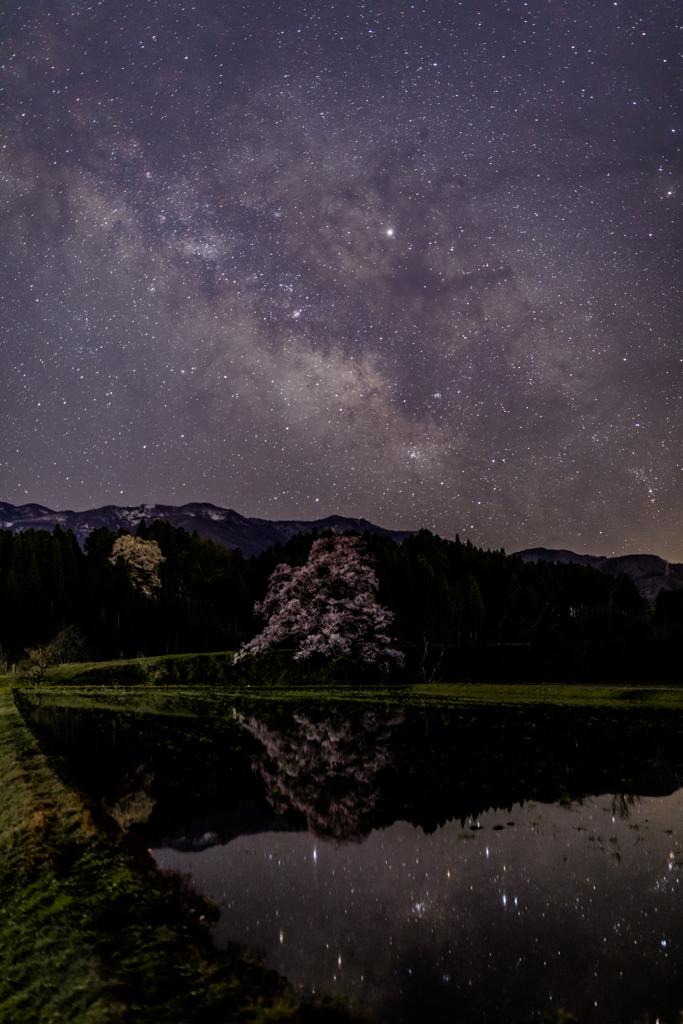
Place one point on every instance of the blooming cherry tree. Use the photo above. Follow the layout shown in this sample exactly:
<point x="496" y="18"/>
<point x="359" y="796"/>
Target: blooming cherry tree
<point x="327" y="607"/>
<point x="142" y="559"/>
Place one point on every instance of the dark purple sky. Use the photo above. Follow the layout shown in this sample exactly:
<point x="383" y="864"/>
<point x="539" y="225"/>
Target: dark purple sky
<point x="416" y="262"/>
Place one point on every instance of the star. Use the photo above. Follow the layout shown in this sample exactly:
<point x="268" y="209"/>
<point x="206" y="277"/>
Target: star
<point x="177" y="200"/>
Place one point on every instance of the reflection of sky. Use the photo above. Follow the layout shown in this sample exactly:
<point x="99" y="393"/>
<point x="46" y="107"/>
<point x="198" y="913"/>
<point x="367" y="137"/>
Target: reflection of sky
<point x="577" y="908"/>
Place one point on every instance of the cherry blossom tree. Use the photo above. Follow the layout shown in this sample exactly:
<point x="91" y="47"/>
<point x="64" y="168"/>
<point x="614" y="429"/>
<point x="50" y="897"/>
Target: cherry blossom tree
<point x="327" y="606"/>
<point x="142" y="559"/>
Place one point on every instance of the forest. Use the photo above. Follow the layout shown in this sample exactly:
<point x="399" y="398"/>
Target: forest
<point x="441" y="592"/>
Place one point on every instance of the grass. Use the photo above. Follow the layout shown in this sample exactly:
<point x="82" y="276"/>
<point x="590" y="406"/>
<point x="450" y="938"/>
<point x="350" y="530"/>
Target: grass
<point x="190" y="700"/>
<point x="91" y="933"/>
<point x="209" y="668"/>
<point x="279" y="677"/>
<point x="563" y="694"/>
<point x="213" y="669"/>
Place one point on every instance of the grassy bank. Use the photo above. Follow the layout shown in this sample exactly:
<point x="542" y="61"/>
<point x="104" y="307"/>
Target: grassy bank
<point x="218" y="702"/>
<point x="489" y="672"/>
<point x="90" y="932"/>
<point x="215" y="669"/>
<point x="170" y="669"/>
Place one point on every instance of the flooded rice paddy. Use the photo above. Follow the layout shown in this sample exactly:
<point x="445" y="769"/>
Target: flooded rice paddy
<point x="473" y="864"/>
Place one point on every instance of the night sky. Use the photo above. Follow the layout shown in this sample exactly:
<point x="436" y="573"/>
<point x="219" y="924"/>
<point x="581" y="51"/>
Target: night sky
<point x="415" y="262"/>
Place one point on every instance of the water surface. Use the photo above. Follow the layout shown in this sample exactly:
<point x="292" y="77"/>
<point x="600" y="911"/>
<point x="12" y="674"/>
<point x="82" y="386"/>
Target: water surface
<point x="466" y="863"/>
<point x="573" y="907"/>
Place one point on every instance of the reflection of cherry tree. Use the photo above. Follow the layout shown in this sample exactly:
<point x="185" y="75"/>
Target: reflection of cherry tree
<point x="328" y="772"/>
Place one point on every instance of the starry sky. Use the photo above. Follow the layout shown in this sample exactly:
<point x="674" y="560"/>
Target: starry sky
<point x="414" y="262"/>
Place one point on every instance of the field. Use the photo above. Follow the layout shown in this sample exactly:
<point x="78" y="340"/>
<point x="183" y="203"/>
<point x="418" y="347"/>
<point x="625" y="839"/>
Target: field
<point x="278" y="677"/>
<point x="91" y="931"/>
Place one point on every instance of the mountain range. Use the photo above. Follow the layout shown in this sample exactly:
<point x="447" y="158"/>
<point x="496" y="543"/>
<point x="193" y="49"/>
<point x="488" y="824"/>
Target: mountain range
<point x="223" y="525"/>
<point x="649" y="572"/>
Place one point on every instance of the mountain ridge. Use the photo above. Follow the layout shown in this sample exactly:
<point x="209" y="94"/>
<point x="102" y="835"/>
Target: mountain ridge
<point x="650" y="573"/>
<point x="253" y="535"/>
<point x="223" y="525"/>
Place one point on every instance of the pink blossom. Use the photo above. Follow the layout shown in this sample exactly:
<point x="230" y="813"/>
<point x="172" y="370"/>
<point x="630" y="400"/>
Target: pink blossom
<point x="327" y="607"/>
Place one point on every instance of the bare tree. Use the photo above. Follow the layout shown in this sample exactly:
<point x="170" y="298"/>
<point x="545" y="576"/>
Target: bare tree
<point x="66" y="646"/>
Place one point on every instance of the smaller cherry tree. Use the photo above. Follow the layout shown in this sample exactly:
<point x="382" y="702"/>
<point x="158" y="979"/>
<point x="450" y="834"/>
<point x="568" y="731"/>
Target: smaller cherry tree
<point x="327" y="607"/>
<point x="142" y="559"/>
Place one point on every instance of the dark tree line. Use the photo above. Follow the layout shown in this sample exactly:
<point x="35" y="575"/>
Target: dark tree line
<point x="669" y="612"/>
<point x="47" y="582"/>
<point x="442" y="592"/>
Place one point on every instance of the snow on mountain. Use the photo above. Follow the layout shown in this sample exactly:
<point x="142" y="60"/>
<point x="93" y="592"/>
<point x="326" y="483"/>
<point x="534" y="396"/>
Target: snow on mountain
<point x="223" y="525"/>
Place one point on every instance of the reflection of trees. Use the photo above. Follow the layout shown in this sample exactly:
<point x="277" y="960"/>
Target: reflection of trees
<point x="326" y="771"/>
<point x="136" y="804"/>
<point x="622" y="804"/>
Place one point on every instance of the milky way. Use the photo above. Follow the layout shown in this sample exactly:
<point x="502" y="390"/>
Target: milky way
<point x="419" y="263"/>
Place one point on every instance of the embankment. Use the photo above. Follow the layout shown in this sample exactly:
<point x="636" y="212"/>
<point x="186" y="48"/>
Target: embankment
<point x="91" y="932"/>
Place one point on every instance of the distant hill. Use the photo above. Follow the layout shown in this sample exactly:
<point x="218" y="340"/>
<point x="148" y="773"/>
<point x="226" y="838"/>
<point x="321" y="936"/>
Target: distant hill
<point x="223" y="525"/>
<point x="649" y="572"/>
